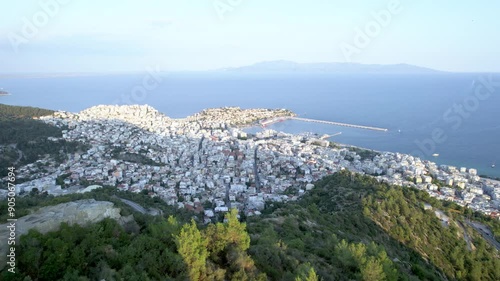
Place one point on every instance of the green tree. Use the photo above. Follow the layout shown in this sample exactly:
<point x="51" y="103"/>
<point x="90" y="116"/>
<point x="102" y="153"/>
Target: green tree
<point x="372" y="270"/>
<point x="236" y="231"/>
<point x="233" y="233"/>
<point x="307" y="273"/>
<point x="192" y="246"/>
<point x="215" y="234"/>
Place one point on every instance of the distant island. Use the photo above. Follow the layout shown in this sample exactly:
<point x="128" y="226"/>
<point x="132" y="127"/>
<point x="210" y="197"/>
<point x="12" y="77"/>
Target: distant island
<point x="283" y="66"/>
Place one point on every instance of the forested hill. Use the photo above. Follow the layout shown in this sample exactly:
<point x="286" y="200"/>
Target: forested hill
<point x="10" y="112"/>
<point x="349" y="227"/>
<point x="352" y="227"/>
<point x="24" y="140"/>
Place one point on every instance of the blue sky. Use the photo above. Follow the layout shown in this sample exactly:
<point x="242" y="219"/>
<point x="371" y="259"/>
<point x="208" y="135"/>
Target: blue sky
<point x="109" y="36"/>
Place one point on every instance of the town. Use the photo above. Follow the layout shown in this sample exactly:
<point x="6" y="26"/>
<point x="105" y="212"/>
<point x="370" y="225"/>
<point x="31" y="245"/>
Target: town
<point x="208" y="163"/>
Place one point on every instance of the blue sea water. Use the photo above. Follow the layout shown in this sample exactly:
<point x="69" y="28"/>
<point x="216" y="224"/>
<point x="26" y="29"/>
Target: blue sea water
<point x="421" y="112"/>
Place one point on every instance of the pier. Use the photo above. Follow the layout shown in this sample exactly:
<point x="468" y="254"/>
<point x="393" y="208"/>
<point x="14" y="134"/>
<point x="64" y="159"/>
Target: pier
<point x="339" y="124"/>
<point x="271" y="121"/>
<point x="265" y="123"/>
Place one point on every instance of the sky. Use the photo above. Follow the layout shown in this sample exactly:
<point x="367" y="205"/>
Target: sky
<point x="58" y="36"/>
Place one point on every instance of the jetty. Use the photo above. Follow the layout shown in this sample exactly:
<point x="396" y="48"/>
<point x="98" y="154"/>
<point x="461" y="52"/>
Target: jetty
<point x="339" y="124"/>
<point x="267" y="122"/>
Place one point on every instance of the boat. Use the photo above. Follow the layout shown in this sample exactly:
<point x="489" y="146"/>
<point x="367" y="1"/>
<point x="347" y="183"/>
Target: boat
<point x="4" y="93"/>
<point x="435" y="154"/>
<point x="493" y="165"/>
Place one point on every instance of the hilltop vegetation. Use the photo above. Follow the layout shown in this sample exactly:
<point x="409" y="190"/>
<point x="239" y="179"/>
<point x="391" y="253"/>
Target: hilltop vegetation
<point x="349" y="227"/>
<point x="377" y="220"/>
<point x="396" y="211"/>
<point x="24" y="140"/>
<point x="9" y="112"/>
<point x="327" y="228"/>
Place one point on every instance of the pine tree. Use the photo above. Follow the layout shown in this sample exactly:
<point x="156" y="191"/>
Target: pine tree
<point x="192" y="246"/>
<point x="307" y="273"/>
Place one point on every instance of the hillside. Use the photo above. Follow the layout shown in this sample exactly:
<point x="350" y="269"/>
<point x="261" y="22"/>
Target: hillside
<point x="358" y="209"/>
<point x="17" y="112"/>
<point x="349" y="227"/>
<point x="25" y="140"/>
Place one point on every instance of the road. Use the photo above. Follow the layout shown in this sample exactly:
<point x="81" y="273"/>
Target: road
<point x="20" y="153"/>
<point x="466" y="236"/>
<point x="485" y="232"/>
<point x="139" y="208"/>
<point x="14" y="147"/>
<point x="134" y="205"/>
<point x="256" y="170"/>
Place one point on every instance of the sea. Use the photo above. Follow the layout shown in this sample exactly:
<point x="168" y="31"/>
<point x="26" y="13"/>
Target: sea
<point x="453" y="116"/>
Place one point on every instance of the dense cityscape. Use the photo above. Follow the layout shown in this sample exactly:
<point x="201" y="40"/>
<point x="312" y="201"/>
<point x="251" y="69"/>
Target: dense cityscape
<point x="209" y="164"/>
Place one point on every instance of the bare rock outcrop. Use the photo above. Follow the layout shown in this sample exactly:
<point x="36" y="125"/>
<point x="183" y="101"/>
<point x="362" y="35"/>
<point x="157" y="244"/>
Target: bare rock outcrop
<point x="47" y="219"/>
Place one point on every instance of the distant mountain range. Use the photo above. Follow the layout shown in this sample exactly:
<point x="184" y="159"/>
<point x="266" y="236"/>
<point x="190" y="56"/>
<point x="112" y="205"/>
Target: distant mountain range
<point x="282" y="66"/>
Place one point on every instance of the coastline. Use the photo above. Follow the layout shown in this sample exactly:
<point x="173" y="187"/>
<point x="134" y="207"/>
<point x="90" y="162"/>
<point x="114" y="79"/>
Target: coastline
<point x="288" y="127"/>
<point x="210" y="147"/>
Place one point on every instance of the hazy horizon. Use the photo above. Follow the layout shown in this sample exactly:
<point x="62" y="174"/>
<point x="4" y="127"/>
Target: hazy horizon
<point x="63" y="36"/>
<point x="222" y="70"/>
